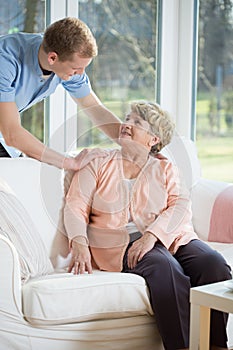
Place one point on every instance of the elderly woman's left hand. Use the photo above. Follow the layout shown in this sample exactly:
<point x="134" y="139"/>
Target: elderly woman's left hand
<point x="139" y="248"/>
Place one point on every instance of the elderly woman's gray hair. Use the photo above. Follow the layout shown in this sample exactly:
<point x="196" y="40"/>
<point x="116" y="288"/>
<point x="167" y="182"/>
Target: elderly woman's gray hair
<point x="161" y="124"/>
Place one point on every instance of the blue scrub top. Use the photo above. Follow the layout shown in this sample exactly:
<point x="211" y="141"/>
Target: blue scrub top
<point x="21" y="78"/>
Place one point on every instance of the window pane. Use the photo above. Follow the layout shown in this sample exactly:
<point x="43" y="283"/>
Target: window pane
<point x="26" y="16"/>
<point x="215" y="89"/>
<point x="125" y="68"/>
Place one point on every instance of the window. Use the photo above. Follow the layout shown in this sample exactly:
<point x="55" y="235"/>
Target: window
<point x="214" y="107"/>
<point x="27" y="16"/>
<point x="125" y="68"/>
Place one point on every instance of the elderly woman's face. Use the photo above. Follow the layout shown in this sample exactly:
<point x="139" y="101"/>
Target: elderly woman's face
<point x="137" y="129"/>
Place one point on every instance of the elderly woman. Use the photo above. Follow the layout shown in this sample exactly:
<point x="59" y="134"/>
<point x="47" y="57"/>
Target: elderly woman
<point x="129" y="211"/>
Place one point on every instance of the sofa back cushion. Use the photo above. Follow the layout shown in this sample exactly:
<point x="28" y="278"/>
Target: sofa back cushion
<point x="182" y="152"/>
<point x="40" y="189"/>
<point x="17" y="226"/>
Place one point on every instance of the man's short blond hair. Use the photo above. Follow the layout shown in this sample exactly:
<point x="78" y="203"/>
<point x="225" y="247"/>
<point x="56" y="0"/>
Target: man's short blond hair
<point x="68" y="36"/>
<point x="160" y="122"/>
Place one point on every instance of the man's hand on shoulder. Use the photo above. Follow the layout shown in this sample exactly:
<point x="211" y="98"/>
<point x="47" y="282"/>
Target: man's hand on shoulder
<point x="83" y="158"/>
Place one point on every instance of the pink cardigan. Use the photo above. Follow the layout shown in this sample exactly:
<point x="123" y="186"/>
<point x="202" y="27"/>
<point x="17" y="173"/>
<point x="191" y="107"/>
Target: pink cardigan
<point x="98" y="203"/>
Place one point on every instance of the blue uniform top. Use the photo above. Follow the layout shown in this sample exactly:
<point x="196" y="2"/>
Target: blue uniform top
<point x="22" y="80"/>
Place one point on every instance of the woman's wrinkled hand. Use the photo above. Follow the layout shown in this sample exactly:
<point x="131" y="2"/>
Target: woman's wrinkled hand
<point x="80" y="260"/>
<point x="139" y="248"/>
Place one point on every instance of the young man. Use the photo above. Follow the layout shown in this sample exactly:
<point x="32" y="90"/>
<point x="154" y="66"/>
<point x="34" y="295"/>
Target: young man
<point x="31" y="67"/>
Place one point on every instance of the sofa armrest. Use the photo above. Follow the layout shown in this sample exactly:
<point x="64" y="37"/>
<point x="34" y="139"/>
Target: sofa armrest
<point x="204" y="195"/>
<point x="10" y="291"/>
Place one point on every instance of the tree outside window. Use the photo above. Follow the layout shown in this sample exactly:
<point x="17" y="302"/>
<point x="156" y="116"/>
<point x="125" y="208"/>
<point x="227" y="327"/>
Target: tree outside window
<point x="125" y="68"/>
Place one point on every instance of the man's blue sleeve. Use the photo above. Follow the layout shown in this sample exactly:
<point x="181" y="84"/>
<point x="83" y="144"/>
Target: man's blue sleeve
<point x="7" y="75"/>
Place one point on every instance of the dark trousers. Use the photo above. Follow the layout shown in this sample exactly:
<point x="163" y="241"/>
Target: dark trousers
<point x="169" y="279"/>
<point x="3" y="152"/>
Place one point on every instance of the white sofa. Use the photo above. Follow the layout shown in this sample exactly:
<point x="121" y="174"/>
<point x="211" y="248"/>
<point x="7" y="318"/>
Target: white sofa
<point x="89" y="312"/>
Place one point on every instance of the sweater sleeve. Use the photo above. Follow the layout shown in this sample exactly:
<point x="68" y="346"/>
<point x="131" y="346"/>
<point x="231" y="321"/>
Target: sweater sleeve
<point x="176" y="218"/>
<point x="79" y="198"/>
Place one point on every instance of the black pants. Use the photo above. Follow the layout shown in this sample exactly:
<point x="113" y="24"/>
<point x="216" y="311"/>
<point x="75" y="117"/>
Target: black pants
<point x="3" y="152"/>
<point x="169" y="279"/>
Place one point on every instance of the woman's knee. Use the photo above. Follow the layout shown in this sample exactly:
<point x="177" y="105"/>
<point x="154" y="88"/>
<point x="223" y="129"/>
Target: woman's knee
<point x="202" y="263"/>
<point x="159" y="257"/>
<point x="159" y="263"/>
<point x="214" y="267"/>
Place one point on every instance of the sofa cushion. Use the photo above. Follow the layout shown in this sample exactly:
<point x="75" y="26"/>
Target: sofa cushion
<point x="204" y="195"/>
<point x="65" y="298"/>
<point x="17" y="226"/>
<point x="221" y="221"/>
<point x="183" y="153"/>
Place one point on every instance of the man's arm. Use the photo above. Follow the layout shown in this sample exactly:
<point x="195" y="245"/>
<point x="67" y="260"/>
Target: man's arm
<point x="100" y="116"/>
<point x="16" y="136"/>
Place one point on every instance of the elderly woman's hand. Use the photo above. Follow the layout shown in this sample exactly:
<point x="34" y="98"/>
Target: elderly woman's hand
<point x="139" y="248"/>
<point x="81" y="259"/>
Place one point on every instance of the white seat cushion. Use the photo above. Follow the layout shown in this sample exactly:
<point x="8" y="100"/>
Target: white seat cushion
<point x="66" y="298"/>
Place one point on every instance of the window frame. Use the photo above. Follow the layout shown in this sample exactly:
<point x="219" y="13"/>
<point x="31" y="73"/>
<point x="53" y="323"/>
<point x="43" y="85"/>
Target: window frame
<point x="178" y="62"/>
<point x="60" y="128"/>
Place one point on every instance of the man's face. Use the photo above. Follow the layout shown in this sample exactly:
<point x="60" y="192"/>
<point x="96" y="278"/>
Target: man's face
<point x="66" y="69"/>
